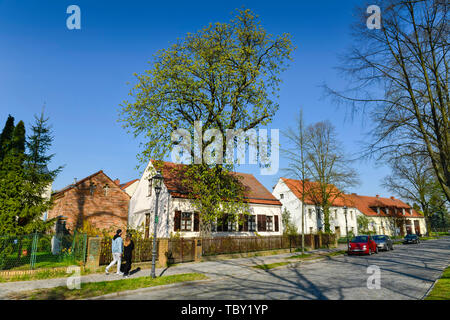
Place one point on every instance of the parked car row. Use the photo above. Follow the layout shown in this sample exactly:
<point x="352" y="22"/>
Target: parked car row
<point x="366" y="244"/>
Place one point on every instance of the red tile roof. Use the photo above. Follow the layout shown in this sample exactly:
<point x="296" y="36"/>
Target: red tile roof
<point x="125" y="185"/>
<point x="365" y="204"/>
<point x="255" y="191"/>
<point x="296" y="187"/>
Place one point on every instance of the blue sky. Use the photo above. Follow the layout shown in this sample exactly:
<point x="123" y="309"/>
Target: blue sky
<point x="82" y="75"/>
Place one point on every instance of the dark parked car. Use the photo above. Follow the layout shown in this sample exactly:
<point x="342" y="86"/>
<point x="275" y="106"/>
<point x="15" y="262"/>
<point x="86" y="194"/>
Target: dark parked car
<point x="383" y="242"/>
<point x="362" y="244"/>
<point x="411" y="238"/>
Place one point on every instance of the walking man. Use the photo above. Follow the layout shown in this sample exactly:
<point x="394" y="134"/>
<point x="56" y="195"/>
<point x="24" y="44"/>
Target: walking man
<point x="117" y="250"/>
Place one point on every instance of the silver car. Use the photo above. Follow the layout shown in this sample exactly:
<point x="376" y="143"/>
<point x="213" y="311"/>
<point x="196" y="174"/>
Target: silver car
<point x="383" y="242"/>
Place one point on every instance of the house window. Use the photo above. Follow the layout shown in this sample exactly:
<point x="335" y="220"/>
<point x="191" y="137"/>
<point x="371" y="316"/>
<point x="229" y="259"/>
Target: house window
<point x="351" y="215"/>
<point x="251" y="223"/>
<point x="310" y="230"/>
<point x="186" y="221"/>
<point x="150" y="187"/>
<point x="310" y="213"/>
<point x="335" y="214"/>
<point x="106" y="189"/>
<point x="231" y="225"/>
<point x="269" y="223"/>
<point x="281" y="196"/>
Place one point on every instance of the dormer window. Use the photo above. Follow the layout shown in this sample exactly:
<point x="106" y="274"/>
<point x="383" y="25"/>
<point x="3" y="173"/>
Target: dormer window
<point x="150" y="187"/>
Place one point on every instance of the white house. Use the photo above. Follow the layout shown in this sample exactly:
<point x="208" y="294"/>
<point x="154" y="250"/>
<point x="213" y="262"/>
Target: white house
<point x="288" y="191"/>
<point x="176" y="212"/>
<point x="389" y="216"/>
<point x="129" y="187"/>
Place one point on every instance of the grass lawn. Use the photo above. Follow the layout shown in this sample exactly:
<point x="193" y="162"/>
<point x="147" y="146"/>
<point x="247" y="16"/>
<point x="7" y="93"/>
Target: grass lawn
<point x="441" y="290"/>
<point x="94" y="289"/>
<point x="298" y="257"/>
<point x="270" y="265"/>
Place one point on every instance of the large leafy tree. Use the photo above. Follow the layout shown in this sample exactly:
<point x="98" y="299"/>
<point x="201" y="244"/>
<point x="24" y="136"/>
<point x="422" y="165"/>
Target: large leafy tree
<point x="225" y="76"/>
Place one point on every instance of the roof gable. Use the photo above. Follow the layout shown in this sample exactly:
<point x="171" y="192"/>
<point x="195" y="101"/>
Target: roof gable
<point x="255" y="191"/>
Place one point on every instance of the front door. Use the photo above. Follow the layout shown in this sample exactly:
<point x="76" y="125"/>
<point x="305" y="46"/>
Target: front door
<point x="408" y="227"/>
<point x="417" y="226"/>
<point x="337" y="232"/>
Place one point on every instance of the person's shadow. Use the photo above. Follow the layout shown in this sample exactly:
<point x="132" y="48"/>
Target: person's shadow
<point x="135" y="271"/>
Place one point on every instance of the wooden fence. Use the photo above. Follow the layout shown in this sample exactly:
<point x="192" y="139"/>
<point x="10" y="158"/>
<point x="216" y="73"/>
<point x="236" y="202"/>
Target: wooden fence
<point x="225" y="245"/>
<point x="181" y="250"/>
<point x="142" y="250"/>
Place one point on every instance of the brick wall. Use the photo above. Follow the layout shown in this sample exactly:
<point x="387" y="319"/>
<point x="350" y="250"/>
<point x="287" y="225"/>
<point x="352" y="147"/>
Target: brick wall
<point x="100" y="210"/>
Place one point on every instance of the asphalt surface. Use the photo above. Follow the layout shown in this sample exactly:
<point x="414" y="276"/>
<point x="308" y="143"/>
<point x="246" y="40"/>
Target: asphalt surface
<point x="406" y="273"/>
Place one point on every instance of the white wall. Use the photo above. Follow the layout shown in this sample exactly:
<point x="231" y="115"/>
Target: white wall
<point x="294" y="206"/>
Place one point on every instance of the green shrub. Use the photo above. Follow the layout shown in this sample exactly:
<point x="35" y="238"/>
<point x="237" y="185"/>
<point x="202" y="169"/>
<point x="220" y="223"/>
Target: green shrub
<point x="44" y="245"/>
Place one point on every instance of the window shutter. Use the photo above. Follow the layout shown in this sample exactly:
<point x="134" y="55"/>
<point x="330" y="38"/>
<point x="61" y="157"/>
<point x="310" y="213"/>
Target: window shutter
<point x="261" y="222"/>
<point x="177" y="221"/>
<point x="276" y="224"/>
<point x="225" y="223"/>
<point x="196" y="221"/>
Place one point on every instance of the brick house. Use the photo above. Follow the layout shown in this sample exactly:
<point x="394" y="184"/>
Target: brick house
<point x="96" y="199"/>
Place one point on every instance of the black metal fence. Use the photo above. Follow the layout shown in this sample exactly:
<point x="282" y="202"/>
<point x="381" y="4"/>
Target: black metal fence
<point x="38" y="250"/>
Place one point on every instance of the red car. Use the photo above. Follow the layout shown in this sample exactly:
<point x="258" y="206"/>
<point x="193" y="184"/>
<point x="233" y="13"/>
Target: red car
<point x="362" y="244"/>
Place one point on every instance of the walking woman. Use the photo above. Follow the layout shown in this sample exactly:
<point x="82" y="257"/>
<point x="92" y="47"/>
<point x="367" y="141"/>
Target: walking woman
<point x="117" y="249"/>
<point x="128" y="254"/>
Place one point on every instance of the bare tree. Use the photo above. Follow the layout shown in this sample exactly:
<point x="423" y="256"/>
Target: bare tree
<point x="412" y="179"/>
<point x="328" y="167"/>
<point x="316" y="155"/>
<point x="400" y="75"/>
<point x="297" y="163"/>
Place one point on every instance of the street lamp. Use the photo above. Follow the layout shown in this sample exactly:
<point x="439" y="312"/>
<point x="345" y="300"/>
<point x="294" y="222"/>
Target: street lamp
<point x="346" y="225"/>
<point x="156" y="181"/>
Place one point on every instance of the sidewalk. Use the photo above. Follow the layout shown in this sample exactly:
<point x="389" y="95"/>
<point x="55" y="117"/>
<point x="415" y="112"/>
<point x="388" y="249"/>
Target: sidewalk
<point x="212" y="269"/>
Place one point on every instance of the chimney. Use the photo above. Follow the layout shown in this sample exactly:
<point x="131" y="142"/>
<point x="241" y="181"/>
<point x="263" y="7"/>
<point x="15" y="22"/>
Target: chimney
<point x="378" y="195"/>
<point x="392" y="198"/>
<point x="117" y="181"/>
<point x="74" y="180"/>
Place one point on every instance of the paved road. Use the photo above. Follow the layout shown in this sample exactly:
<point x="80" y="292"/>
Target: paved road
<point x="406" y="273"/>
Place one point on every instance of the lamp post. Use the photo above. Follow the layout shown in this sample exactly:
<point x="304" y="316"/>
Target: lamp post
<point x="346" y="225"/>
<point x="156" y="181"/>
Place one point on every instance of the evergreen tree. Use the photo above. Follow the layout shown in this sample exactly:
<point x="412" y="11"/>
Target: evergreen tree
<point x="6" y="136"/>
<point x="12" y="183"/>
<point x="39" y="178"/>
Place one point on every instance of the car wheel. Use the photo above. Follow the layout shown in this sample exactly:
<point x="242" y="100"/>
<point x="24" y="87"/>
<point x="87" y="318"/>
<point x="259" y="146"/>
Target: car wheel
<point x="392" y="247"/>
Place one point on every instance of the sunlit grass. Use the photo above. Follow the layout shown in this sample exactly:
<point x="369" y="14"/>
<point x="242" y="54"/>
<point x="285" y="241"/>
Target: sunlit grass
<point x="93" y="289"/>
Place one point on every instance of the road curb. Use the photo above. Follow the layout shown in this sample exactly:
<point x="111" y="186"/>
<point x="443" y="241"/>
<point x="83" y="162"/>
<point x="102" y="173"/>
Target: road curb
<point x="128" y="292"/>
